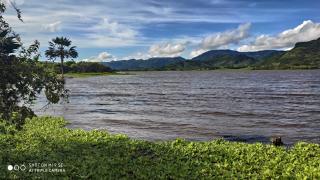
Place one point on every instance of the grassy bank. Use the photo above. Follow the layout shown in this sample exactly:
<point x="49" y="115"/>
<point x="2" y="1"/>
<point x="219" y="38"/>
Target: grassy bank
<point x="85" y="75"/>
<point x="96" y="154"/>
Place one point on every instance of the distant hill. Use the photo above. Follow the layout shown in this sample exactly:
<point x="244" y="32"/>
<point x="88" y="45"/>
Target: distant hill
<point x="305" y="55"/>
<point x="225" y="58"/>
<point x="215" y="54"/>
<point x="262" y="55"/>
<point x="216" y="59"/>
<point x="138" y="65"/>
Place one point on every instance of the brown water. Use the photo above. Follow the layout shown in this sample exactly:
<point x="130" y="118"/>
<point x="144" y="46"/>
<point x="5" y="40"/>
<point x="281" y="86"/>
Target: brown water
<point x="237" y="105"/>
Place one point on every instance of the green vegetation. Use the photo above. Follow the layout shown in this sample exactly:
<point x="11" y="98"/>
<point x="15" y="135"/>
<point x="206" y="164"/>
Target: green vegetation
<point x="143" y="65"/>
<point x="305" y="55"/>
<point x="22" y="77"/>
<point x="95" y="154"/>
<point x="80" y="69"/>
<point x="86" y="67"/>
<point x="59" y="48"/>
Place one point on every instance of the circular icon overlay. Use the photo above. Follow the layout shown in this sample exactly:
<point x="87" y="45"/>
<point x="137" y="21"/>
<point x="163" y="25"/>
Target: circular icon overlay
<point x="10" y="167"/>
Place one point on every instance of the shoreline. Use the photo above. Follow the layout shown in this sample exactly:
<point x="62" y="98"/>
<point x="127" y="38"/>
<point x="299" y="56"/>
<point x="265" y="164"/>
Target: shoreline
<point x="85" y="75"/>
<point x="131" y="72"/>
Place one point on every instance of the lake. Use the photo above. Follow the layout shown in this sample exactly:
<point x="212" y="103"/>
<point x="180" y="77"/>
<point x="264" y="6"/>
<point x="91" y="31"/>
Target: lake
<point x="246" y="106"/>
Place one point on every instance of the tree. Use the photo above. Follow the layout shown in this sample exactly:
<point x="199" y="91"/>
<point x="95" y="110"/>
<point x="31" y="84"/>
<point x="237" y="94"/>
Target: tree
<point x="59" y="48"/>
<point x="22" y="77"/>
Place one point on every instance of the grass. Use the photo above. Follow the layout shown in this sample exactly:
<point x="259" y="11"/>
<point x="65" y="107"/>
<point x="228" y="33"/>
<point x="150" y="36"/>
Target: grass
<point x="98" y="154"/>
<point x="85" y="75"/>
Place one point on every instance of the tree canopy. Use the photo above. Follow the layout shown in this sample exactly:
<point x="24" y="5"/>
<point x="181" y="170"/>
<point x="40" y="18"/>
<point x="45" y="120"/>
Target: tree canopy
<point x="22" y="77"/>
<point x="59" y="48"/>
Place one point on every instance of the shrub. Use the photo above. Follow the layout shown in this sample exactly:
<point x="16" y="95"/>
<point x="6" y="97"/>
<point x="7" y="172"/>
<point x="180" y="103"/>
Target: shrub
<point x="98" y="154"/>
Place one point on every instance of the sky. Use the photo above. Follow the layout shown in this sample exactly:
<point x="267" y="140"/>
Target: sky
<point x="107" y="30"/>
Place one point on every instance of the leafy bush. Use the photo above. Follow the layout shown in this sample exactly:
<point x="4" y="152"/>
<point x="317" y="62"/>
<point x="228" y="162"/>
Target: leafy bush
<point x="87" y="67"/>
<point x="96" y="154"/>
<point x="78" y="67"/>
<point x="21" y="77"/>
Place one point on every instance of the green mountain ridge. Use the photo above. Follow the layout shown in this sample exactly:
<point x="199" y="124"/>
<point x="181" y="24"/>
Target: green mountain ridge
<point x="228" y="59"/>
<point x="305" y="55"/>
<point x="219" y="61"/>
<point x="141" y="65"/>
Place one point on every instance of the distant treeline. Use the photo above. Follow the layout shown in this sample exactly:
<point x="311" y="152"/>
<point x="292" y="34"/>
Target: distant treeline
<point x="79" y="67"/>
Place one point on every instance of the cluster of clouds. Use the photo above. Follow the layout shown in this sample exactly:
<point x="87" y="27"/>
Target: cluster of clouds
<point x="156" y="50"/>
<point x="111" y="32"/>
<point x="102" y="57"/>
<point x="228" y="37"/>
<point x="160" y="50"/>
<point x="306" y="31"/>
<point x="222" y="39"/>
<point x="167" y="49"/>
<point x="88" y="29"/>
<point x="285" y="40"/>
<point x="115" y="24"/>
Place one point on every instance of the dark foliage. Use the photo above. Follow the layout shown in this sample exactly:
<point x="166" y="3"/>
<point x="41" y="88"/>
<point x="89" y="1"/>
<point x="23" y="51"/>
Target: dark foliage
<point x="22" y="78"/>
<point x="79" y="67"/>
<point x="140" y="65"/>
<point x="86" y="67"/>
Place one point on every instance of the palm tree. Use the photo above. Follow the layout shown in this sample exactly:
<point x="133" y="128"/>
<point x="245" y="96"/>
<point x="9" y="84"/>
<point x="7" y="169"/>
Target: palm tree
<point x="59" y="47"/>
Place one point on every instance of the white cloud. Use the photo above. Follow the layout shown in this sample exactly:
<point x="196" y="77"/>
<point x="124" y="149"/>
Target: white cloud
<point x="160" y="50"/>
<point x="102" y="57"/>
<point x="225" y="38"/>
<point x="167" y="49"/>
<point x="115" y="29"/>
<point x="197" y="52"/>
<point x="222" y="39"/>
<point x="109" y="33"/>
<point x="306" y="31"/>
<point x="53" y="27"/>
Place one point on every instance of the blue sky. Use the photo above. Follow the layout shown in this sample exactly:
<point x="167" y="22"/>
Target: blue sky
<point x="105" y="30"/>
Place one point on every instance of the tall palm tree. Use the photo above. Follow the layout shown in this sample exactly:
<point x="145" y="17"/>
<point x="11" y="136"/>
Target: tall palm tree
<point x="59" y="48"/>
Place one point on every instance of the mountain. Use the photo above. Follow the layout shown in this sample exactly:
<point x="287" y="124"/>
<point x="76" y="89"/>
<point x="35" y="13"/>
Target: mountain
<point x="261" y="55"/>
<point x="214" y="54"/>
<point x="215" y="59"/>
<point x="225" y="58"/>
<point x="137" y="65"/>
<point x="304" y="55"/>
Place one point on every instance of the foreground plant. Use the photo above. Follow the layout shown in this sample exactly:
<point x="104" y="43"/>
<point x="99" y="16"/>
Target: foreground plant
<point x="100" y="155"/>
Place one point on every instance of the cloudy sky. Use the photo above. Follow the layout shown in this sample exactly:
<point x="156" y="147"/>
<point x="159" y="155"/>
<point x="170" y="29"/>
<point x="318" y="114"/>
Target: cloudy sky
<point x="105" y="30"/>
